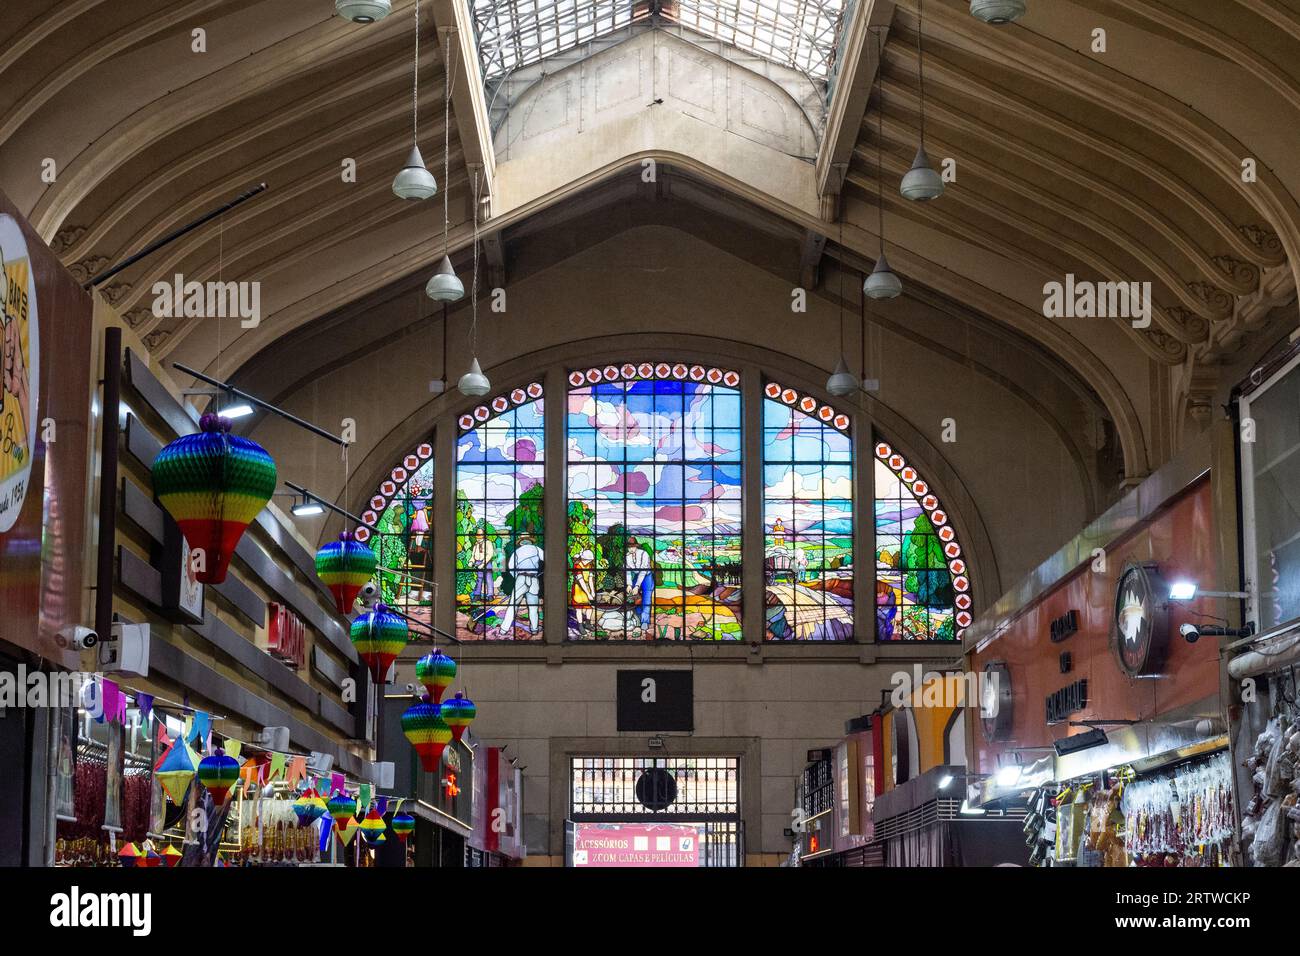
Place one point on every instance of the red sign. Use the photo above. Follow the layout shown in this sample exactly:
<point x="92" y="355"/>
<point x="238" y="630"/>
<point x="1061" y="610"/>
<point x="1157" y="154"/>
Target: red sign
<point x="286" y="636"/>
<point x="636" y="844"/>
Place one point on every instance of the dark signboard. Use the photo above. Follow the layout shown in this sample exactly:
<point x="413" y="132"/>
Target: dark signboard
<point x="656" y="700"/>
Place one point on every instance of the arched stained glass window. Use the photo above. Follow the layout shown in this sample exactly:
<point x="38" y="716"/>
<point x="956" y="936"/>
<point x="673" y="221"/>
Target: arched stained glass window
<point x="399" y="529"/>
<point x="654" y="478"/>
<point x="922" y="584"/>
<point x="500" y="450"/>
<point x="807" y="518"/>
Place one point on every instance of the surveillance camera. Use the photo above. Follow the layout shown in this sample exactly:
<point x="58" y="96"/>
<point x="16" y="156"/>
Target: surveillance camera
<point x="368" y="596"/>
<point x="77" y="638"/>
<point x="1191" y="633"/>
<point x="410" y="688"/>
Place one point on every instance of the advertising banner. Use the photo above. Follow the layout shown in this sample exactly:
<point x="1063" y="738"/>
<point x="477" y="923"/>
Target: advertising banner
<point x="636" y="844"/>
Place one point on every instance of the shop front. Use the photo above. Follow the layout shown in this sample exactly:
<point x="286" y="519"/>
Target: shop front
<point x="497" y="838"/>
<point x="1100" y="709"/>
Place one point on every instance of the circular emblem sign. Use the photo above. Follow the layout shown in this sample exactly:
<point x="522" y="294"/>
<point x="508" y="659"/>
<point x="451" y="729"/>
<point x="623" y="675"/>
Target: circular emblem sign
<point x="995" y="701"/>
<point x="1140" y="633"/>
<point x="20" y="364"/>
<point x="656" y="789"/>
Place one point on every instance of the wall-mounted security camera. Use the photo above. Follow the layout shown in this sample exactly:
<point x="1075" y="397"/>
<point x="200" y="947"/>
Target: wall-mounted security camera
<point x="77" y="638"/>
<point x="1191" y="633"/>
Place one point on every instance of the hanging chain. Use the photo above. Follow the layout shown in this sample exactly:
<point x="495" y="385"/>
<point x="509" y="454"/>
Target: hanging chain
<point x="415" y="87"/>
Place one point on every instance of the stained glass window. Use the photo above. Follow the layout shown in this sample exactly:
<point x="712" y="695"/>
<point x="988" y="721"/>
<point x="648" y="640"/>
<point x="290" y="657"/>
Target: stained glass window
<point x="399" y="529"/>
<point x="499" y="520"/>
<point x="922" y="585"/>
<point x="654" y="476"/>
<point x="807" y="518"/>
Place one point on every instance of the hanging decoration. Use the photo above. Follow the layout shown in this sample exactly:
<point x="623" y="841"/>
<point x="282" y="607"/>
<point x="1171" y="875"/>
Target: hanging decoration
<point x="341" y="808"/>
<point x="457" y="714"/>
<point x="373" y="827"/>
<point x="435" y="671"/>
<point x="344" y="566"/>
<point x="379" y="636"/>
<point x="309" y="808"/>
<point x="219" y="773"/>
<point x="428" y="733"/>
<point x="176" y="770"/>
<point x="403" y="824"/>
<point x="171" y="856"/>
<point x="213" y="483"/>
<point x="347" y="830"/>
<point x="129" y="855"/>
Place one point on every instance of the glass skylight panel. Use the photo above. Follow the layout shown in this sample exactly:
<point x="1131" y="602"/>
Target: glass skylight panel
<point x="797" y="33"/>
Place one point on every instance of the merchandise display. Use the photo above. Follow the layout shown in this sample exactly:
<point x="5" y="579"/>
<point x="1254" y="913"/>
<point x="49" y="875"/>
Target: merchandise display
<point x="1270" y="825"/>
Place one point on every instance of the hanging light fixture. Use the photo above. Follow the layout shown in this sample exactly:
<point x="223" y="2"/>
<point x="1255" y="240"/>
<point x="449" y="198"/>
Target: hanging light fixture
<point x="997" y="12"/>
<point x="443" y="285"/>
<point x="921" y="183"/>
<point x="841" y="382"/>
<point x="414" y="181"/>
<point x="363" y="11"/>
<point x="882" y="283"/>
<point x="474" y="383"/>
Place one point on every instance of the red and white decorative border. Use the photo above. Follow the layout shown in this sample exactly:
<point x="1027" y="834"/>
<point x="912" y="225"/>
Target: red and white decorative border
<point x="943" y="528"/>
<point x="808" y="405"/>
<point x="654" y="371"/>
<point x="389" y="488"/>
<point x="500" y="405"/>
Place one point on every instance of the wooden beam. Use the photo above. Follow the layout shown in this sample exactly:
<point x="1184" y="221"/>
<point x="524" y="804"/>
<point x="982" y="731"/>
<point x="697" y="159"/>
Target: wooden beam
<point x="857" y="73"/>
<point x="460" y="59"/>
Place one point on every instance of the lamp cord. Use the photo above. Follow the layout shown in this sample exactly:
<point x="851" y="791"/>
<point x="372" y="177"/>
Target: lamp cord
<point x="473" y="292"/>
<point x="880" y="140"/>
<point x="446" y="154"/>
<point x="920" y="63"/>
<point x="415" y="86"/>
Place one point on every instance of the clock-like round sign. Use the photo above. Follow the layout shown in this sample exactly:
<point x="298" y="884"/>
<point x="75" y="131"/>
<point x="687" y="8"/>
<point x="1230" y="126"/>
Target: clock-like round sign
<point x="996" y="701"/>
<point x="1140" y="636"/>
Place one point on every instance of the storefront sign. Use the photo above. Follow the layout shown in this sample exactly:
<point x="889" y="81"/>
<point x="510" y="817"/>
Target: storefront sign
<point x="286" y="636"/>
<point x="1068" y="700"/>
<point x="1140" y="635"/>
<point x="626" y="844"/>
<point x="21" y="371"/>
<point x="656" y="700"/>
<point x="1065" y="626"/>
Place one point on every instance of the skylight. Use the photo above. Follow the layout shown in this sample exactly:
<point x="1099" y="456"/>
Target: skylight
<point x="797" y="33"/>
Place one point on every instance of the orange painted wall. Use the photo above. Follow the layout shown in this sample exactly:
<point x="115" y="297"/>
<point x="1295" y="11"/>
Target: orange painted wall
<point x="1181" y="539"/>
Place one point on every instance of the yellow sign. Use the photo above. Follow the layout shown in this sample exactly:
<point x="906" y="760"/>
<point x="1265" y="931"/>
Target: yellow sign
<point x="19" y="370"/>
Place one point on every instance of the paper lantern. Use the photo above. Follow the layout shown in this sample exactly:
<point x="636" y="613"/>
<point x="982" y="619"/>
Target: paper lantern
<point x="177" y="770"/>
<point x="428" y="733"/>
<point x="213" y="483"/>
<point x="341" y="808"/>
<point x="347" y="830"/>
<point x="379" y="637"/>
<point x="171" y="856"/>
<point x="435" y="671"/>
<point x="403" y="824"/>
<point x="344" y="566"/>
<point x="150" y="858"/>
<point x="457" y="714"/>
<point x="373" y="827"/>
<point x="309" y="808"/>
<point x="219" y="774"/>
<point x="129" y="855"/>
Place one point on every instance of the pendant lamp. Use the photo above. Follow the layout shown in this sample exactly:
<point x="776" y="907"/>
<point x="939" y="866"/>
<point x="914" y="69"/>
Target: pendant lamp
<point x="882" y="283"/>
<point x="474" y="384"/>
<point x="414" y="181"/>
<point x="443" y="285"/>
<point x="842" y="382"/>
<point x="363" y="11"/>
<point x="921" y="183"/>
<point x="997" y="12"/>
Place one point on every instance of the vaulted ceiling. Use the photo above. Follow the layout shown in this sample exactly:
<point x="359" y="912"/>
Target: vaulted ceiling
<point x="1122" y="164"/>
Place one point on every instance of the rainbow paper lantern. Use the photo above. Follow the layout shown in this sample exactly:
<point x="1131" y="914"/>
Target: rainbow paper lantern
<point x="457" y="713"/>
<point x="379" y="637"/>
<point x="403" y="825"/>
<point x="150" y="858"/>
<point x="373" y="827"/>
<point x="129" y="855"/>
<point x="171" y="856"/>
<point x="347" y="830"/>
<point x="309" y="808"/>
<point x="424" y="727"/>
<point x="345" y="566"/>
<point x="219" y="774"/>
<point x="435" y="671"/>
<point x="213" y="483"/>
<point x="176" y="770"/>
<point x="341" y="808"/>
